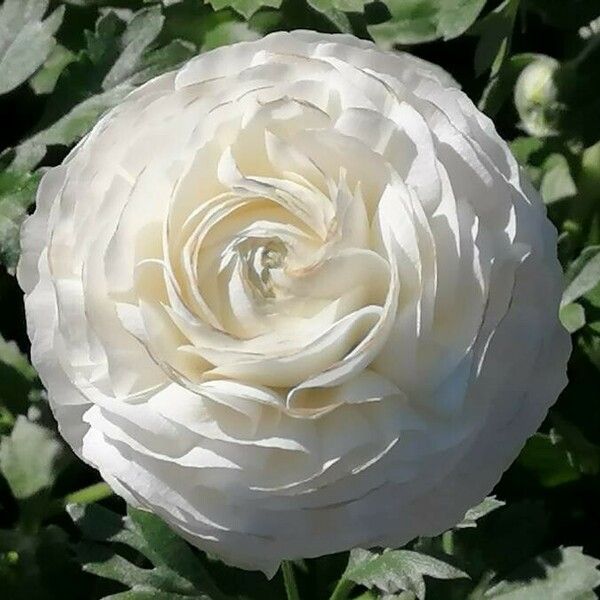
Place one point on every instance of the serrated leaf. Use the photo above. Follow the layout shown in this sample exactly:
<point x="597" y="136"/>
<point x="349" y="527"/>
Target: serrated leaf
<point x="44" y="80"/>
<point x="25" y="39"/>
<point x="334" y="15"/>
<point x="102" y="525"/>
<point x="572" y="316"/>
<point x="103" y="562"/>
<point x="71" y="127"/>
<point x="564" y="573"/>
<point x="176" y="569"/>
<point x="118" y="54"/>
<point x="582" y="275"/>
<point x="418" y="21"/>
<point x="17" y="192"/>
<point x="30" y="458"/>
<point x="163" y="59"/>
<point x="246" y="8"/>
<point x="165" y="547"/>
<point x="397" y="570"/>
<point x="141" y="31"/>
<point x="228" y="32"/>
<point x="477" y="512"/>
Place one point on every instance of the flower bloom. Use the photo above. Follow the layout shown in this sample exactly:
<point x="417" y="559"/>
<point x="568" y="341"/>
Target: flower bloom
<point x="295" y="297"/>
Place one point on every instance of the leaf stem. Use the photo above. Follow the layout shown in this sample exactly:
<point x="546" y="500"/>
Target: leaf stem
<point x="289" y="580"/>
<point x="87" y="495"/>
<point x="448" y="542"/>
<point x="90" y="494"/>
<point x="342" y="589"/>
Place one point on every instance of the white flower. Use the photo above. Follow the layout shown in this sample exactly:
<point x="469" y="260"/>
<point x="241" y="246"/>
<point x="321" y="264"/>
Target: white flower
<point x="295" y="297"/>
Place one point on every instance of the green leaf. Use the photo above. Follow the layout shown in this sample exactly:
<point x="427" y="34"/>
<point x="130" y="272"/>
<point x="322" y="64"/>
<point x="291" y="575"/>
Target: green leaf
<point x="163" y="59"/>
<point x="71" y="127"/>
<point x="176" y="568"/>
<point x="17" y="191"/>
<point x="13" y="358"/>
<point x="141" y="31"/>
<point x="25" y="39"/>
<point x="148" y="593"/>
<point x="103" y="562"/>
<point x="477" y="512"/>
<point x="228" y="32"/>
<point x="102" y="525"/>
<point x="17" y="379"/>
<point x="334" y="15"/>
<point x="557" y="182"/>
<point x="349" y="5"/>
<point x="30" y="458"/>
<point x="495" y="32"/>
<point x="165" y="547"/>
<point x="418" y="21"/>
<point x="246" y="8"/>
<point x="396" y="570"/>
<point x="563" y="573"/>
<point x="582" y="275"/>
<point x="117" y="58"/>
<point x="583" y="455"/>
<point x="546" y="457"/>
<point x="524" y="148"/>
<point x="572" y="316"/>
<point x="589" y="176"/>
<point x="44" y="80"/>
<point x="501" y="84"/>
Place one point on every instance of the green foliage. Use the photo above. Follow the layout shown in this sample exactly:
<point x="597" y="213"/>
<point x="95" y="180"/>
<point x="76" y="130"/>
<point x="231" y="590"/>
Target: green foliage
<point x="25" y="39"/>
<point x="176" y="570"/>
<point x="63" y="63"/>
<point x="562" y="573"/>
<point x="246" y="8"/>
<point x="44" y="81"/>
<point x="471" y="517"/>
<point x="29" y="458"/>
<point x="397" y="570"/>
<point x="583" y="275"/>
<point x="417" y="21"/>
<point x="17" y="189"/>
<point x="495" y="34"/>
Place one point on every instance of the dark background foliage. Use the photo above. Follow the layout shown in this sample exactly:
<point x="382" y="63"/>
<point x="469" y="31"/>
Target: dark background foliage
<point x="64" y="62"/>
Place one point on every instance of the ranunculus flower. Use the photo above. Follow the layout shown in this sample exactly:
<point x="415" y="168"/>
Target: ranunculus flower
<point x="295" y="297"/>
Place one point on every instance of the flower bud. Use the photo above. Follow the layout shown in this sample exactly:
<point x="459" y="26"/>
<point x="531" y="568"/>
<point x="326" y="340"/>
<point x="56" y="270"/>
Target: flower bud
<point x="537" y="97"/>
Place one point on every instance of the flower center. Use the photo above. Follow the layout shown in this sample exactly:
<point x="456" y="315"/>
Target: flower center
<point x="260" y="256"/>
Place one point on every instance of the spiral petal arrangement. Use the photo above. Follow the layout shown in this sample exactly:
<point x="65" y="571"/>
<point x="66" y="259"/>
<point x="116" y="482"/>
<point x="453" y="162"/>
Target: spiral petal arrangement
<point x="295" y="297"/>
